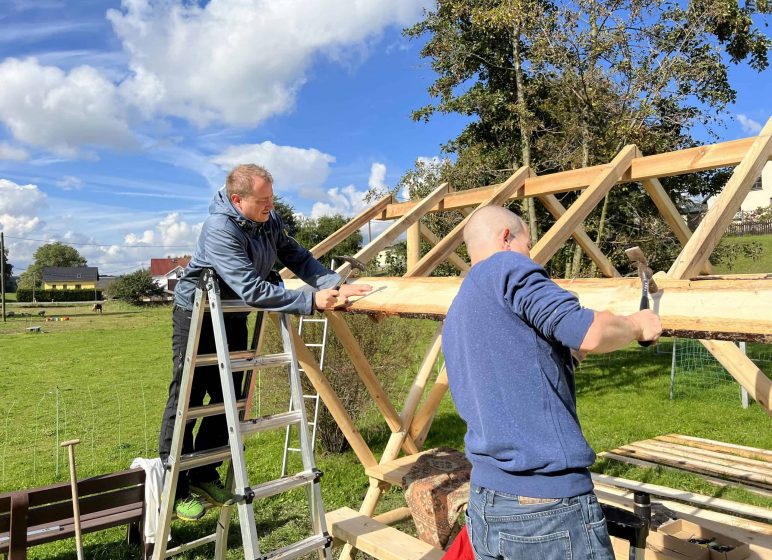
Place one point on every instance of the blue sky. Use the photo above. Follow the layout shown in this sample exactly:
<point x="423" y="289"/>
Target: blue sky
<point x="118" y="120"/>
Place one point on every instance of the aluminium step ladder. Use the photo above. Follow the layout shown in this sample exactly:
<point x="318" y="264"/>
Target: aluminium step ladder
<point x="208" y="300"/>
<point x="313" y="398"/>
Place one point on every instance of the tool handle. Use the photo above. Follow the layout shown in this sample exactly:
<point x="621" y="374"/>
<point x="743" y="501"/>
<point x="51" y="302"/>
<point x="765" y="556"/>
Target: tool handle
<point x="645" y="305"/>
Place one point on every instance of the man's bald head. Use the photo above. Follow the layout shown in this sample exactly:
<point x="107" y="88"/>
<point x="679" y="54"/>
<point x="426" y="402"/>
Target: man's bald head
<point x="489" y="229"/>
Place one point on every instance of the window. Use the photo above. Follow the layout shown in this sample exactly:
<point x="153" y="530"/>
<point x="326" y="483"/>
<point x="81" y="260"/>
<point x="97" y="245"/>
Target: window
<point x="757" y="185"/>
<point x="64" y="286"/>
<point x="53" y="286"/>
<point x="78" y="276"/>
<point x="77" y="286"/>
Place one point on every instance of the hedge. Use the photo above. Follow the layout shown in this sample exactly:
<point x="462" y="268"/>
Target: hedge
<point x="43" y="296"/>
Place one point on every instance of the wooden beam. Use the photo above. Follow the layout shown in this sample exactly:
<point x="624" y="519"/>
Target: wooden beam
<point x="345" y="231"/>
<point x="367" y="375"/>
<point x="680" y="162"/>
<point x="554" y="207"/>
<point x="376" y="539"/>
<point x="453" y="258"/>
<point x="689" y="309"/>
<point x="419" y="429"/>
<point x="742" y="368"/>
<point x="413" y="245"/>
<point x="562" y="229"/>
<point x="714" y="224"/>
<point x="394" y="516"/>
<point x="712" y="445"/>
<point x="397" y="228"/>
<point x="671" y="215"/>
<point x="450" y="242"/>
<point x="332" y="402"/>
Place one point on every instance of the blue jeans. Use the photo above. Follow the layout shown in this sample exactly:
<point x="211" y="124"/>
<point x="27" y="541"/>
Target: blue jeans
<point x="503" y="526"/>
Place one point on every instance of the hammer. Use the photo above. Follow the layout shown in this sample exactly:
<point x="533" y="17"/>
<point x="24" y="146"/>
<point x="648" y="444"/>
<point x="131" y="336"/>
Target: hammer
<point x="353" y="262"/>
<point x="648" y="285"/>
<point x="70" y="445"/>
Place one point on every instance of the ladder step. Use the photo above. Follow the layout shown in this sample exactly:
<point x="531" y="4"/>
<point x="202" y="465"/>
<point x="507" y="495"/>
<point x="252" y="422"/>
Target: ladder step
<point x="190" y="545"/>
<point x="273" y="487"/>
<point x="201" y="458"/>
<point x="245" y="363"/>
<point x="300" y="548"/>
<point x="307" y="320"/>
<point x="281" y="420"/>
<point x="212" y="409"/>
<point x="310" y="345"/>
<point x="234" y="306"/>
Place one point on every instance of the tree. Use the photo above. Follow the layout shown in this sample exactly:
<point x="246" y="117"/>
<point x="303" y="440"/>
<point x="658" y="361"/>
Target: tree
<point x="312" y="231"/>
<point x="287" y="214"/>
<point x="9" y="283"/>
<point x="135" y="287"/>
<point x="51" y="254"/>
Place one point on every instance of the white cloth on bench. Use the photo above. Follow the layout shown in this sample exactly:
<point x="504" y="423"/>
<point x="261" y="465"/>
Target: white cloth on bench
<point x="154" y="475"/>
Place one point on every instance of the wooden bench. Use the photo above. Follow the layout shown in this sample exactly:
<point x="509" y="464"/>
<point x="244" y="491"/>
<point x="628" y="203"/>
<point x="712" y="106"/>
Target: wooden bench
<point x="41" y="515"/>
<point x="33" y="329"/>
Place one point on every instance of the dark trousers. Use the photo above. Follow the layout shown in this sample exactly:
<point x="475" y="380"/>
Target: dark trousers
<point x="213" y="431"/>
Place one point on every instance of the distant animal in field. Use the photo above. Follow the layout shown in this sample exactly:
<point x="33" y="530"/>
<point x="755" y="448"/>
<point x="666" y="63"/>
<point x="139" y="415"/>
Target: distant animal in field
<point x="97" y="308"/>
<point x="11" y="314"/>
<point x="42" y="313"/>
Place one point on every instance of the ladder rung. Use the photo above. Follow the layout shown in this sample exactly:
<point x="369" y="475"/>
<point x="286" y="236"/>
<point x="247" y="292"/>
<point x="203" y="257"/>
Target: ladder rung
<point x="310" y="396"/>
<point x="212" y="409"/>
<point x="314" y="345"/>
<point x="295" y="550"/>
<point x="234" y="306"/>
<point x="250" y="362"/>
<point x="207" y="457"/>
<point x="281" y="420"/>
<point x="273" y="487"/>
<point x="184" y="547"/>
<point x="307" y="320"/>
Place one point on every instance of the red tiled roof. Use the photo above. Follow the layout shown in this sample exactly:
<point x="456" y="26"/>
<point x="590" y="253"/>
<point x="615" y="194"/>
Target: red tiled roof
<point x="161" y="267"/>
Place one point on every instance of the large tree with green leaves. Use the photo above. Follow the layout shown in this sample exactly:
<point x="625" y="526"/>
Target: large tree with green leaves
<point x="135" y="287"/>
<point x="565" y="86"/>
<point x="50" y="254"/>
<point x="8" y="270"/>
<point x="312" y="231"/>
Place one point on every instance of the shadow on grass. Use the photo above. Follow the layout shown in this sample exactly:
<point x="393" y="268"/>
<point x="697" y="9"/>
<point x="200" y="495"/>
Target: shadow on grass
<point x="625" y="369"/>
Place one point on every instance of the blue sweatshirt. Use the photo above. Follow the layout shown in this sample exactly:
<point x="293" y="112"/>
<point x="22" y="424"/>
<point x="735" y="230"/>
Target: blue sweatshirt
<point x="242" y="253"/>
<point x="506" y="341"/>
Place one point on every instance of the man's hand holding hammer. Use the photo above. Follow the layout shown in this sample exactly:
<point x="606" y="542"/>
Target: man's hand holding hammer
<point x="335" y="297"/>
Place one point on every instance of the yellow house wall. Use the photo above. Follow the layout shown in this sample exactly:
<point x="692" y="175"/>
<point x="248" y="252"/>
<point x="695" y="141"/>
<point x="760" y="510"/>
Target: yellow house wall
<point x="70" y="285"/>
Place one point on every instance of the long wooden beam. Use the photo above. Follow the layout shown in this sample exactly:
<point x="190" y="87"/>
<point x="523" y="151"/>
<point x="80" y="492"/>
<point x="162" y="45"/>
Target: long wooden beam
<point x="345" y="231"/>
<point x="688" y="308"/>
<point x="453" y="258"/>
<point x="574" y="217"/>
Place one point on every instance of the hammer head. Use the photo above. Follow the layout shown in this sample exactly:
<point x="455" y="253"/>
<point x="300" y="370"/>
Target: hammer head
<point x="636" y="256"/>
<point x="354" y="262"/>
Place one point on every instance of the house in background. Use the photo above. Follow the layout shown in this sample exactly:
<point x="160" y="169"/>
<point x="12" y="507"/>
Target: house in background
<point x="166" y="272"/>
<point x="70" y="277"/>
<point x="761" y="191"/>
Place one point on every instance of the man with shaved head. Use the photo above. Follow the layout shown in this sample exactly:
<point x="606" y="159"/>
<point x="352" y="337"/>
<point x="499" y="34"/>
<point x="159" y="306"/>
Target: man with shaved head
<point x="508" y="341"/>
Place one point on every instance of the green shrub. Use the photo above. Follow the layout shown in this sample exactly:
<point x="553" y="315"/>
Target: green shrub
<point x="23" y="294"/>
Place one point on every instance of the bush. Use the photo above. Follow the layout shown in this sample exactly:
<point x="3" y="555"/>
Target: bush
<point x="135" y="287"/>
<point x="23" y="294"/>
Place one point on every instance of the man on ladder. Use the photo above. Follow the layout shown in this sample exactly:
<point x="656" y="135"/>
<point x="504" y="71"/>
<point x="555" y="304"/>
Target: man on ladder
<point x="240" y="240"/>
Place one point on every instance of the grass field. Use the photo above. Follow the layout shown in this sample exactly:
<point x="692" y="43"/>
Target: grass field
<point x="103" y="379"/>
<point x="744" y="263"/>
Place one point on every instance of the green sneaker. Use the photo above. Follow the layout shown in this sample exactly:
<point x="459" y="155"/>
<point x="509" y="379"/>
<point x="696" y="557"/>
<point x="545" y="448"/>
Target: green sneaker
<point x="189" y="508"/>
<point x="213" y="491"/>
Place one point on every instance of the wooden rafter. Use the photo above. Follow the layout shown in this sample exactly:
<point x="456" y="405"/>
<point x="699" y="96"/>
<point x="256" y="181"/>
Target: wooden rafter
<point x="345" y="231"/>
<point x="453" y="258"/>
<point x="573" y="218"/>
<point x="681" y="162"/>
<point x="442" y="250"/>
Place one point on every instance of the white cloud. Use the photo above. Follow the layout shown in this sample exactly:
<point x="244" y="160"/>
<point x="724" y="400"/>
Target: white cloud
<point x="748" y="124"/>
<point x="292" y="168"/>
<point x="20" y="200"/>
<point x="69" y="183"/>
<point x="377" y="176"/>
<point x="19" y="207"/>
<point x="347" y="201"/>
<point x="240" y="61"/>
<point x="13" y="153"/>
<point x="44" y="106"/>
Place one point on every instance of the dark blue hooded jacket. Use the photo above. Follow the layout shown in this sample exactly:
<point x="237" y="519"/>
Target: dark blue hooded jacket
<point x="242" y="253"/>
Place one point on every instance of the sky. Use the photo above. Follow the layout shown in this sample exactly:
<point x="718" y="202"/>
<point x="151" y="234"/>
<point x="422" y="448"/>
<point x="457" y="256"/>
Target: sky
<point x="120" y="119"/>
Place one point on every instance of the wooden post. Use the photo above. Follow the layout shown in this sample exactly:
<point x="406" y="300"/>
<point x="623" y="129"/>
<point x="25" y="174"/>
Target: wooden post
<point x="2" y="271"/>
<point x="453" y="258"/>
<point x="413" y="245"/>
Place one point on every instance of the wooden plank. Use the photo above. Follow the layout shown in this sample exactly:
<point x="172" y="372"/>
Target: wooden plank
<point x="562" y="229"/>
<point x="453" y="258"/>
<point x="712" y="480"/>
<point x="391" y="233"/>
<point x="742" y="368"/>
<point x="367" y="375"/>
<point x="419" y="429"/>
<point x="394" y="516"/>
<point x="690" y="309"/>
<point x="671" y="215"/>
<point x="331" y="400"/>
<point x="729" y="473"/>
<point x="413" y="245"/>
<point x="393" y="471"/>
<point x="719" y="216"/>
<point x="346" y="230"/>
<point x="680" y="162"/>
<point x="710" y="502"/>
<point x="741" y="450"/>
<point x="554" y="207"/>
<point x="759" y="465"/>
<point x="376" y="539"/>
<point x="450" y="242"/>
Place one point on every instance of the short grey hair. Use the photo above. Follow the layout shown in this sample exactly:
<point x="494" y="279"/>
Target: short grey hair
<point x="486" y="224"/>
<point x="241" y="179"/>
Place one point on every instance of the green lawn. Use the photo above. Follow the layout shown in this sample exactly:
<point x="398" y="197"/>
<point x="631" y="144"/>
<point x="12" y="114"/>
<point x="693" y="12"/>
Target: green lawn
<point x="745" y="263"/>
<point x="103" y="379"/>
